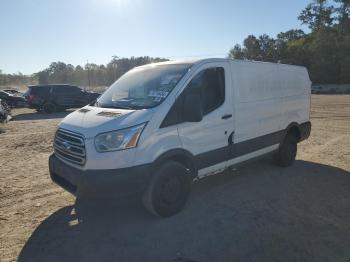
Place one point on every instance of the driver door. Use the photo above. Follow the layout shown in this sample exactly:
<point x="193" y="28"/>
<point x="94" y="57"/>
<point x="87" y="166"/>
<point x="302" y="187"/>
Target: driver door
<point x="208" y="140"/>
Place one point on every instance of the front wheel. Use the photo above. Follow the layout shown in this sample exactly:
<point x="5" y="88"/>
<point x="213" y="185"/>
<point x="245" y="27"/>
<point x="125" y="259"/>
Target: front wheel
<point x="287" y="152"/>
<point x="168" y="190"/>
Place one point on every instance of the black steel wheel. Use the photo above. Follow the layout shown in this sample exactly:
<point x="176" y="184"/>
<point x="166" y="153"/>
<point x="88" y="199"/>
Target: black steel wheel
<point x="168" y="191"/>
<point x="287" y="152"/>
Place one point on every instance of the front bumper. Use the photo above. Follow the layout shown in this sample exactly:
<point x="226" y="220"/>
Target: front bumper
<point x="99" y="183"/>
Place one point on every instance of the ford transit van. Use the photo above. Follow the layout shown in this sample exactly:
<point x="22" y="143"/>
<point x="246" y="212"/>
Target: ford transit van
<point x="161" y="126"/>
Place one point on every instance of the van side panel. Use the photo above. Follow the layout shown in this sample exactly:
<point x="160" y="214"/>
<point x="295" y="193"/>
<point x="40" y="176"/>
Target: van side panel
<point x="297" y="90"/>
<point x="258" y="100"/>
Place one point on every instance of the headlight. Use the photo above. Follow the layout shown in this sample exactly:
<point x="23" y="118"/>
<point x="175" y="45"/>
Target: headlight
<point x="119" y="140"/>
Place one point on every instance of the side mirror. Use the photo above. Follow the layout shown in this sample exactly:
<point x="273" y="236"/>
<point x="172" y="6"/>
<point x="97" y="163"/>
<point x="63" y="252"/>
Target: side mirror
<point x="192" y="108"/>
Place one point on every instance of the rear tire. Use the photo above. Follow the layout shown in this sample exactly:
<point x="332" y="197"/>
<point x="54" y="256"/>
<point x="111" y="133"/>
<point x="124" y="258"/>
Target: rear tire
<point x="49" y="108"/>
<point x="287" y="151"/>
<point x="168" y="190"/>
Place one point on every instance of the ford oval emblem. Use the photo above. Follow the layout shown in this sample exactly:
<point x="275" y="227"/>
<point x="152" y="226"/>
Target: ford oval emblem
<point x="66" y="145"/>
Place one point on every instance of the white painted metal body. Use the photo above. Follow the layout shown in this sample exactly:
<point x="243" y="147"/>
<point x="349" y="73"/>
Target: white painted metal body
<point x="262" y="97"/>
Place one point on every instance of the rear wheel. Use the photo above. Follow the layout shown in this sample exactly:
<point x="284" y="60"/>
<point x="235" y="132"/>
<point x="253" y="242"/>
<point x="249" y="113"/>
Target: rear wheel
<point x="168" y="190"/>
<point x="287" y="152"/>
<point x="49" y="108"/>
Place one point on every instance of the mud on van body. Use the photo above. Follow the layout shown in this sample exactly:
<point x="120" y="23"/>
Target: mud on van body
<point x="160" y="126"/>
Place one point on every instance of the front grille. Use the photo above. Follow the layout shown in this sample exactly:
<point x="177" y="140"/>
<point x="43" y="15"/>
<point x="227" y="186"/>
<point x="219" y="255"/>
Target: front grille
<point x="70" y="146"/>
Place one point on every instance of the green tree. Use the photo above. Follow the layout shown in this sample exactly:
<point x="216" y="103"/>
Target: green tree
<point x="317" y="15"/>
<point x="91" y="74"/>
<point x="325" y="51"/>
<point x="343" y="17"/>
<point x="268" y="50"/>
<point x="324" y="59"/>
<point x="236" y="52"/>
<point x="252" y="48"/>
<point x="344" y="60"/>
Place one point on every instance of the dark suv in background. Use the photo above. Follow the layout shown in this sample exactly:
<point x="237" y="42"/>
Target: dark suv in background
<point x="54" y="98"/>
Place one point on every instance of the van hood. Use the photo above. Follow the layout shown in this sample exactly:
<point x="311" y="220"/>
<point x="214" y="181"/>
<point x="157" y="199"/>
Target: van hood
<point x="90" y="121"/>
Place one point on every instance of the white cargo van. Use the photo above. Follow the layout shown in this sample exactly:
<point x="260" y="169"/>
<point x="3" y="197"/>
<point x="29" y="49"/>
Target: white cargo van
<point x="160" y="126"/>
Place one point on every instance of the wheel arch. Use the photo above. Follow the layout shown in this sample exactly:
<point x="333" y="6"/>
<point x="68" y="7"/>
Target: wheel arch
<point x="179" y="155"/>
<point x="293" y="128"/>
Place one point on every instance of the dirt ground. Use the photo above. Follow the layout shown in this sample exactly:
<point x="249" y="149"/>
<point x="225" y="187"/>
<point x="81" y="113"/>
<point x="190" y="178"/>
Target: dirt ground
<point x="257" y="213"/>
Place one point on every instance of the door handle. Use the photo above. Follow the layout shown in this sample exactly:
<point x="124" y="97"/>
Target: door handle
<point x="226" y="116"/>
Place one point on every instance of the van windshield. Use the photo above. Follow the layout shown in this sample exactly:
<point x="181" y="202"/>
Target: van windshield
<point x="143" y="87"/>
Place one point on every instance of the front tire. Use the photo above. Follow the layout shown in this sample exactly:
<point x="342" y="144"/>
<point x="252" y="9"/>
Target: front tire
<point x="287" y="152"/>
<point x="168" y="190"/>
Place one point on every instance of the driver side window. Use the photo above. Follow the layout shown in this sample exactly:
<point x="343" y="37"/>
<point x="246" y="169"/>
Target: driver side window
<point x="209" y="84"/>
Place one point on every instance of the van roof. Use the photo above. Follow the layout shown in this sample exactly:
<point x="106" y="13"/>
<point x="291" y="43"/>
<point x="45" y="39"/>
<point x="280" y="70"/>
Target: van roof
<point x="202" y="60"/>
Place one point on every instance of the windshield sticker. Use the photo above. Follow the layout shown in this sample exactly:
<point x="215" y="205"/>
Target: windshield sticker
<point x="160" y="94"/>
<point x="170" y="79"/>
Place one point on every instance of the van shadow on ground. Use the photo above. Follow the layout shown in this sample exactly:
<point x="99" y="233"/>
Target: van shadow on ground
<point x="259" y="213"/>
<point x="40" y="116"/>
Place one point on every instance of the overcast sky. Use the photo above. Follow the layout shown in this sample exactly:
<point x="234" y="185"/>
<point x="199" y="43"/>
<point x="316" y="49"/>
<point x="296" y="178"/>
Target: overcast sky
<point x="35" y="33"/>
